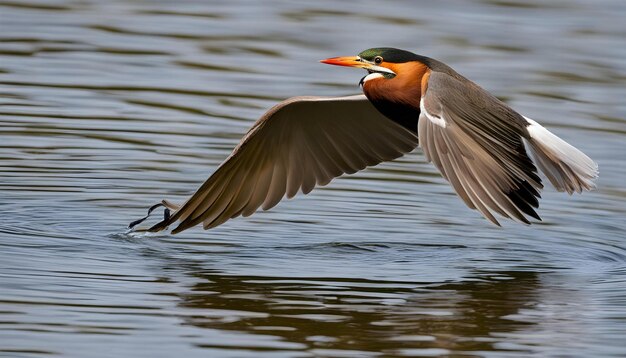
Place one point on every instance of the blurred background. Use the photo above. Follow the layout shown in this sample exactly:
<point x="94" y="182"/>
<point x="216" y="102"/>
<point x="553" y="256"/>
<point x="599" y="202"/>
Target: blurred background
<point x="107" y="107"/>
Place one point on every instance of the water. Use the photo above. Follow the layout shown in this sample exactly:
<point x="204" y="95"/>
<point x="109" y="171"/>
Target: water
<point x="106" y="107"/>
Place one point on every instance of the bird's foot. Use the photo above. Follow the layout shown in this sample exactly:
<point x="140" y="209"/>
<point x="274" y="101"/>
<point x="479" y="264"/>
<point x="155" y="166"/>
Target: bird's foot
<point x="166" y="217"/>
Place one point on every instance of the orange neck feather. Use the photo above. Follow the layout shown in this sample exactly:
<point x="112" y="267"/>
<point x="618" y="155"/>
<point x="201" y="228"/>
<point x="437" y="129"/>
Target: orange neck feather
<point x="406" y="88"/>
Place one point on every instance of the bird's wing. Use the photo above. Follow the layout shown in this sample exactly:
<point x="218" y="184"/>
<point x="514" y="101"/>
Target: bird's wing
<point x="298" y="144"/>
<point x="476" y="142"/>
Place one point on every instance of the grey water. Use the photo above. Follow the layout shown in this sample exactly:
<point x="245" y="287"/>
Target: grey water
<point x="107" y="107"/>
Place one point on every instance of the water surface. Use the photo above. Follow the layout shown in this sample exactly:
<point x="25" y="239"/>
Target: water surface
<point x="107" y="107"/>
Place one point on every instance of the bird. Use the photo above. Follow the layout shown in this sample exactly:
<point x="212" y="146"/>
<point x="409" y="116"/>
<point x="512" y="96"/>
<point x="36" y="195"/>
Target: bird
<point x="490" y="154"/>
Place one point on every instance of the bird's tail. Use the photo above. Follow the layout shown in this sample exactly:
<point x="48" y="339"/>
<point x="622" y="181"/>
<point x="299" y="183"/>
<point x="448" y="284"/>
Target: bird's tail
<point x="567" y="168"/>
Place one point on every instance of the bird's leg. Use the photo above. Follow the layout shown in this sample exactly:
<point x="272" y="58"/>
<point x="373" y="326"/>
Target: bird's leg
<point x="166" y="214"/>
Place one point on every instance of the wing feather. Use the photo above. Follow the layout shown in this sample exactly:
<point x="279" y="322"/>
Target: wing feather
<point x="475" y="141"/>
<point x="298" y="144"/>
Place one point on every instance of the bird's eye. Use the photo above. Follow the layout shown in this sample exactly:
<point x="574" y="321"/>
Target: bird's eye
<point x="378" y="60"/>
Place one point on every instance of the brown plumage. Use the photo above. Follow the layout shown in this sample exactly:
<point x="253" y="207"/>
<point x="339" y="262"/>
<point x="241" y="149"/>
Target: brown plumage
<point x="476" y="141"/>
<point x="298" y="144"/>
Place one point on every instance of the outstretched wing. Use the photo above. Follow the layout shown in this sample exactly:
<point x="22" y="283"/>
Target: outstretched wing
<point x="298" y="144"/>
<point x="476" y="142"/>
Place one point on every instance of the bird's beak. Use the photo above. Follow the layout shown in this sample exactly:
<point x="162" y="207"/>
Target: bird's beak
<point x="356" y="61"/>
<point x="349" y="61"/>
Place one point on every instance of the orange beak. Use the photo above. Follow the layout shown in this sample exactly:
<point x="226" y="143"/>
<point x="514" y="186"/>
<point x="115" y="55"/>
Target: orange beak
<point x="349" y="61"/>
<point x="355" y="61"/>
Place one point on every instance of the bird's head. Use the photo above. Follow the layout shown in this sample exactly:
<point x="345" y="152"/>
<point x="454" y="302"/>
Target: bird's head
<point x="395" y="80"/>
<point x="380" y="63"/>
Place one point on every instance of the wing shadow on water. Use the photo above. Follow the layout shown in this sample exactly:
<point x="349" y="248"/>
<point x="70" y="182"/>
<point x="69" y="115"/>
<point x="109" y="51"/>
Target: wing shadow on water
<point x="364" y="315"/>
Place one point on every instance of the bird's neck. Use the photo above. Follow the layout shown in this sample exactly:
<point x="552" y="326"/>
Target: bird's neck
<point x="399" y="98"/>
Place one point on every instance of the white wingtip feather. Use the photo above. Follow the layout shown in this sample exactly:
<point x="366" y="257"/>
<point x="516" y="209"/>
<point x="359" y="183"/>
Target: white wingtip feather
<point x="567" y="168"/>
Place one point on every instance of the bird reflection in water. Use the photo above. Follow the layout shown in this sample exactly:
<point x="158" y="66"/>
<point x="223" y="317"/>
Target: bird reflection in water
<point x="364" y="315"/>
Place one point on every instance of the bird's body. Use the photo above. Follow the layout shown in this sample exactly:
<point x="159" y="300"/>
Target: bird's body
<point x="478" y="143"/>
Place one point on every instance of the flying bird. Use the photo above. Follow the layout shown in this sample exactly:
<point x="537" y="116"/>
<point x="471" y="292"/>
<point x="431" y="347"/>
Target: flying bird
<point x="487" y="151"/>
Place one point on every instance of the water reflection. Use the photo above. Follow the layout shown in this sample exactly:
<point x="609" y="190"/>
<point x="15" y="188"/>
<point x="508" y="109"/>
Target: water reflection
<point x="364" y="315"/>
